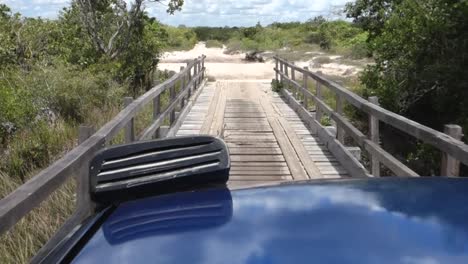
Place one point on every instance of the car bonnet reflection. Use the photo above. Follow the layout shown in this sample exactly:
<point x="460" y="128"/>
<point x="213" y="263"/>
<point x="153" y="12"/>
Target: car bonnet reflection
<point x="294" y="224"/>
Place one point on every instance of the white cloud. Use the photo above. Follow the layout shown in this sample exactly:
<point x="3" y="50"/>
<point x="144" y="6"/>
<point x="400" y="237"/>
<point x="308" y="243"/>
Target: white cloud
<point x="206" y="12"/>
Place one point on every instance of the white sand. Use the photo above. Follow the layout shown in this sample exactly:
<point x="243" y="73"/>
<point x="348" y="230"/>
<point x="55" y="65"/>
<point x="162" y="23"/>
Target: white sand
<point x="231" y="67"/>
<point x="219" y="65"/>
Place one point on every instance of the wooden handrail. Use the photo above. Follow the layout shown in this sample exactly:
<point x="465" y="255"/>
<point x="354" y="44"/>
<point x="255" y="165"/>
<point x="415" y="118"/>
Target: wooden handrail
<point x="28" y="196"/>
<point x="447" y="144"/>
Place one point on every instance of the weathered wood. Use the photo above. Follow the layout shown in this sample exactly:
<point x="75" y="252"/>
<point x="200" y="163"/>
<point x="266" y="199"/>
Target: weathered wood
<point x="83" y="201"/>
<point x="443" y="142"/>
<point x="130" y="127"/>
<point x="156" y="112"/>
<point x="374" y="137"/>
<point x="450" y="166"/>
<point x="301" y="151"/>
<point x="340" y="133"/>
<point x="28" y="196"/>
<point x="205" y="130"/>
<point x="258" y="178"/>
<point x="318" y="109"/>
<point x="276" y="74"/>
<point x="188" y="107"/>
<point x="257" y="158"/>
<point x="293" y="78"/>
<point x="21" y="201"/>
<point x="149" y="131"/>
<point x="274" y="164"/>
<point x="182" y="87"/>
<point x="172" y="95"/>
<point x="195" y="72"/>
<point x="290" y="156"/>
<point x="353" y="166"/>
<point x="305" y="100"/>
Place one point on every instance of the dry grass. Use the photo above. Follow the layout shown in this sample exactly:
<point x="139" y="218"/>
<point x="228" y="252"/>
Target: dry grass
<point x="23" y="241"/>
<point x="32" y="232"/>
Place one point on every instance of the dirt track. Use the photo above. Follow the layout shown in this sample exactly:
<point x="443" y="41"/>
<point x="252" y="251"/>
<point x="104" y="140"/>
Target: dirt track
<point x="223" y="66"/>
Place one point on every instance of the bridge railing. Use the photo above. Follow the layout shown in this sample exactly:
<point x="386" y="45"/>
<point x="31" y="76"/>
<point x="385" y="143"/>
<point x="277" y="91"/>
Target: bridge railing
<point x="29" y="195"/>
<point x="454" y="151"/>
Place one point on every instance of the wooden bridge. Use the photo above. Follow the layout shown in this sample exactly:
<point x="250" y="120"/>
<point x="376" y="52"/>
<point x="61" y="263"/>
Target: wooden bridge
<point x="272" y="136"/>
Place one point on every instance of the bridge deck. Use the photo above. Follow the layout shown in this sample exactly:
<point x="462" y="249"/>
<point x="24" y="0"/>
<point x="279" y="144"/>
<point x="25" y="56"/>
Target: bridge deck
<point x="267" y="140"/>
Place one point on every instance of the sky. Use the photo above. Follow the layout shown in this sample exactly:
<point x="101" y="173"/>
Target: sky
<point x="207" y="12"/>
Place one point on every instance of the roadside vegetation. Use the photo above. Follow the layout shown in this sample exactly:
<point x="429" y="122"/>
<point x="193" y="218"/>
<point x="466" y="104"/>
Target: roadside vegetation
<point x="316" y="34"/>
<point x="420" y="48"/>
<point x="58" y="74"/>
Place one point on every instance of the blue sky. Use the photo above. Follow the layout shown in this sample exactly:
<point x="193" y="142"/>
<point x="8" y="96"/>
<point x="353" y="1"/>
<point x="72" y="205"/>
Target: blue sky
<point x="207" y="12"/>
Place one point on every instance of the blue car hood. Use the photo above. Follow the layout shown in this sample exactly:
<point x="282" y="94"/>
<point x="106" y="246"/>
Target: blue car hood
<point x="351" y="221"/>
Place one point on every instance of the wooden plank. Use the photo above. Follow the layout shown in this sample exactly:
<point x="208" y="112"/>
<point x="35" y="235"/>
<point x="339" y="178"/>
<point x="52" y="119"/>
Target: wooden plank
<point x="258" y="164"/>
<point x="257" y="178"/>
<point x="257" y="158"/>
<point x="259" y="173"/>
<point x="252" y="144"/>
<point x="205" y="130"/>
<point x="349" y="162"/>
<point x="290" y="156"/>
<point x="256" y="151"/>
<point x="217" y="127"/>
<point x="148" y="132"/>
<point x="261" y="168"/>
<point x="256" y="127"/>
<point x="301" y="152"/>
<point x="245" y="115"/>
<point x="188" y="107"/>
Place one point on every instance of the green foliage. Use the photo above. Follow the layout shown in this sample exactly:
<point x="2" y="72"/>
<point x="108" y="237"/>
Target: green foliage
<point x="180" y="38"/>
<point x="213" y="44"/>
<point x="276" y="85"/>
<point x="34" y="148"/>
<point x="421" y="51"/>
<point x="338" y="36"/>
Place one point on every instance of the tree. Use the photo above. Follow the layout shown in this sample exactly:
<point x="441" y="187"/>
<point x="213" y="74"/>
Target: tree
<point x="110" y="23"/>
<point x="371" y="14"/>
<point x="421" y="58"/>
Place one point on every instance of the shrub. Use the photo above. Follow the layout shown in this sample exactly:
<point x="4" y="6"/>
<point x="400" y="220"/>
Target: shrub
<point x="276" y="85"/>
<point x="213" y="44"/>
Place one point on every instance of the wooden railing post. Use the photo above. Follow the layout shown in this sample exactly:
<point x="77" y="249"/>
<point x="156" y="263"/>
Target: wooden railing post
<point x="203" y="66"/>
<point x="287" y="76"/>
<point x="189" y="73"/>
<point x="172" y="95"/>
<point x="156" y="112"/>
<point x="277" y="69"/>
<point x="318" y="93"/>
<point x="182" y="87"/>
<point x="450" y="166"/>
<point x="130" y="127"/>
<point x="293" y="78"/>
<point x="83" y="200"/>
<point x="340" y="133"/>
<point x="305" y="101"/>
<point x="282" y="71"/>
<point x="195" y="72"/>
<point x="374" y="137"/>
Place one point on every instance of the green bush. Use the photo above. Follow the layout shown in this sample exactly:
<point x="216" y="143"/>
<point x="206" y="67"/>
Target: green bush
<point x="213" y="44"/>
<point x="35" y="147"/>
<point x="276" y="85"/>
